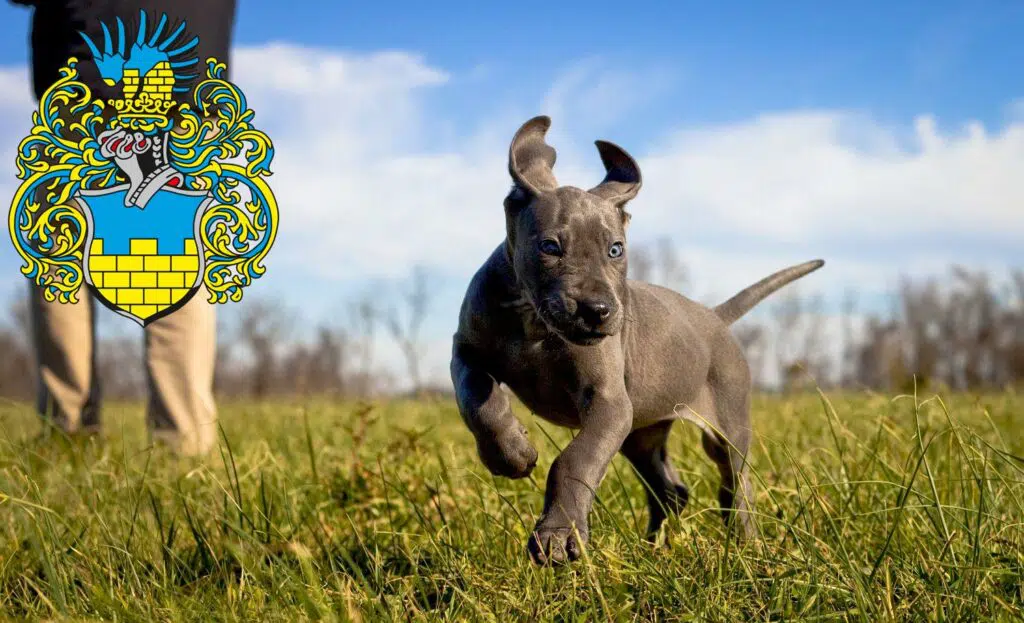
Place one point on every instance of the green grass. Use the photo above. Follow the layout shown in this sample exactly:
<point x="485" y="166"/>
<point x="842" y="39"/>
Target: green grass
<point x="872" y="508"/>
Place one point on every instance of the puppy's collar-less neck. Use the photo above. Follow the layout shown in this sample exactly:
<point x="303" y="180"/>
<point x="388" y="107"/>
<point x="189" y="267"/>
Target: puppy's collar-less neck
<point x="518" y="300"/>
<point x="534" y="329"/>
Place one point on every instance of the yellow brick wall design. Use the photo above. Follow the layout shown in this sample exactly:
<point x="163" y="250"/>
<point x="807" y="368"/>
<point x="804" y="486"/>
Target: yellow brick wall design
<point x="131" y="82"/>
<point x="143" y="282"/>
<point x="158" y="83"/>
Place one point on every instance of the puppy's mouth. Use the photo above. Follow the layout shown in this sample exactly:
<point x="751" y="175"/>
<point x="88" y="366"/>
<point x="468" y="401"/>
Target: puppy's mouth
<point x="568" y="326"/>
<point x="585" y="337"/>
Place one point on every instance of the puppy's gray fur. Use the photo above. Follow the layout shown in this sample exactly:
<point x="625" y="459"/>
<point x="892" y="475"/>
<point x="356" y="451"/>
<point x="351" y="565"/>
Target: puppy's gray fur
<point x="552" y="315"/>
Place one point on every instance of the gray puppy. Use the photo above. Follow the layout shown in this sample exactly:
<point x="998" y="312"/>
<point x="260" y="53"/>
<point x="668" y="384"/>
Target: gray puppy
<point x="552" y="316"/>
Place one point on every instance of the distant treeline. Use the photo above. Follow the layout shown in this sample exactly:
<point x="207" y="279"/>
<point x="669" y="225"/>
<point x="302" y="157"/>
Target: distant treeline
<point x="961" y="331"/>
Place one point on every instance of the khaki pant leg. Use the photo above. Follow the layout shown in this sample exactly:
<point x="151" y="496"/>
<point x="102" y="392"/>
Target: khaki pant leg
<point x="180" y="358"/>
<point x="64" y="337"/>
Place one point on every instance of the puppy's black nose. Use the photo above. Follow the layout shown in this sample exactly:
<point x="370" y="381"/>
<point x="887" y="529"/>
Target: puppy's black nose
<point x="594" y="312"/>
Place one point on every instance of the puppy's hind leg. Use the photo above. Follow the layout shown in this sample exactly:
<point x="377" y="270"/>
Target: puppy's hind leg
<point x="735" y="495"/>
<point x="728" y="447"/>
<point x="646" y="449"/>
<point x="727" y="440"/>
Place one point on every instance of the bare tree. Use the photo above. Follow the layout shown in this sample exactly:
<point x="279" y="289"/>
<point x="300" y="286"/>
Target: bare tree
<point x="878" y="360"/>
<point x="800" y="350"/>
<point x="658" y="263"/>
<point x="262" y="329"/>
<point x="363" y="322"/>
<point x="405" y="326"/>
<point x="973" y="304"/>
<point x="228" y="377"/>
<point x="751" y="338"/>
<point x="672" y="272"/>
<point x="814" y="355"/>
<point x="959" y="334"/>
<point x="641" y="264"/>
<point x="1010" y="335"/>
<point x="16" y="378"/>
<point x="326" y="361"/>
<point x="921" y="332"/>
<point x="846" y="363"/>
<point x="16" y="369"/>
<point x="786" y="315"/>
<point x="21" y="319"/>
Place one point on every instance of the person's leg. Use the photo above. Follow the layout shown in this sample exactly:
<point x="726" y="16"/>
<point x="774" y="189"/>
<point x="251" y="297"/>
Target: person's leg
<point x="180" y="356"/>
<point x="64" y="337"/>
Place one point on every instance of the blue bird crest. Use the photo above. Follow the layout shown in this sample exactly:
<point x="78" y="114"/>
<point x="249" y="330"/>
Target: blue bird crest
<point x="145" y="54"/>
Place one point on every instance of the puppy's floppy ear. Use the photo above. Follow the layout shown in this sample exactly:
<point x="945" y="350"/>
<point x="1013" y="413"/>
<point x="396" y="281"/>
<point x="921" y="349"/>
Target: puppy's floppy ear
<point x="530" y="159"/>
<point x="622" y="181"/>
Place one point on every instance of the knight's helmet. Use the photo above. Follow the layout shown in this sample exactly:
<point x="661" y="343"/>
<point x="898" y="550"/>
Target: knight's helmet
<point x="152" y="75"/>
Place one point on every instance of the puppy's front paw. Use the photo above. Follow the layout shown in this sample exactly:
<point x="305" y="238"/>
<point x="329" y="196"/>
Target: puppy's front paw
<point x="510" y="454"/>
<point x="557" y="545"/>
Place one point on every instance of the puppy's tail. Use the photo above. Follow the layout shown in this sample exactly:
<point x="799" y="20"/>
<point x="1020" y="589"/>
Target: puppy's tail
<point x="733" y="309"/>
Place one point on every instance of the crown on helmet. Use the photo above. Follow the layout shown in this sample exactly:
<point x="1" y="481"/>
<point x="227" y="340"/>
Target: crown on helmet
<point x="151" y="74"/>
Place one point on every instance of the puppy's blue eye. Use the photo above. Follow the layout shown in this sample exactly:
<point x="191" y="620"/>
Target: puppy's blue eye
<point x="550" y="247"/>
<point x="615" y="250"/>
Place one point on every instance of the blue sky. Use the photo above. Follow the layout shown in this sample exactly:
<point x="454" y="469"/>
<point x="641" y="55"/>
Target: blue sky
<point x="956" y="59"/>
<point x="885" y="137"/>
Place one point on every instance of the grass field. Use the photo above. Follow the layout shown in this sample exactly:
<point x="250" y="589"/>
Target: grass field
<point x="872" y="508"/>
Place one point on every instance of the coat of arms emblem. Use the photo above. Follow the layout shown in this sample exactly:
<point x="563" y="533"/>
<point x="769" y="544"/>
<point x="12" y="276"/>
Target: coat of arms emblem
<point x="142" y="198"/>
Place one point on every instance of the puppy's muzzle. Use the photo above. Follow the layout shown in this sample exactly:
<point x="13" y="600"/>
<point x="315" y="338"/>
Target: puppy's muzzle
<point x="581" y="321"/>
<point x="594" y="313"/>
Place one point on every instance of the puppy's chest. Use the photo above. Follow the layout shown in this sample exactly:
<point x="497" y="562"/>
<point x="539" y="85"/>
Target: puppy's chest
<point x="543" y="378"/>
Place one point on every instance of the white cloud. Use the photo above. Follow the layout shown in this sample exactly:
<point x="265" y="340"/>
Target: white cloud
<point x="326" y="104"/>
<point x="792" y="178"/>
<point x="359" y="194"/>
<point x="15" y="93"/>
<point x="590" y="96"/>
<point x="364" y="192"/>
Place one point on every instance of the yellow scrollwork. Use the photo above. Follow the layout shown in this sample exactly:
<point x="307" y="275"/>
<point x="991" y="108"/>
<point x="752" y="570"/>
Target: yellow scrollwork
<point x="50" y="242"/>
<point x="220" y="131"/>
<point x="236" y="239"/>
<point x="59" y="157"/>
